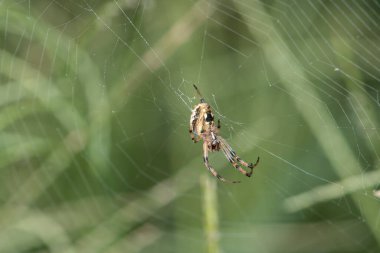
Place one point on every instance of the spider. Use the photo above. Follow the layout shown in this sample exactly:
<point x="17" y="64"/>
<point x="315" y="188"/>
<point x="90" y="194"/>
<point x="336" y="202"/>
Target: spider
<point x="202" y="127"/>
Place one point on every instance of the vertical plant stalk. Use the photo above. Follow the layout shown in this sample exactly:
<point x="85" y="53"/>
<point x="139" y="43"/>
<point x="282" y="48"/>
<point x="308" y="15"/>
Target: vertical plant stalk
<point x="210" y="213"/>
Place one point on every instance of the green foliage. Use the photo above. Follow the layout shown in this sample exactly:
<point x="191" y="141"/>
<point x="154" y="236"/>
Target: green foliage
<point x="95" y="98"/>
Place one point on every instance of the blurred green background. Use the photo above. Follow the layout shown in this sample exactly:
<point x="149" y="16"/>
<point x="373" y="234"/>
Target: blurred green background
<point x="95" y="99"/>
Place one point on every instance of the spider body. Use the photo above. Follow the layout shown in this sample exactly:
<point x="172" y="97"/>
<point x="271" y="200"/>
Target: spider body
<point x="202" y="122"/>
<point x="203" y="127"/>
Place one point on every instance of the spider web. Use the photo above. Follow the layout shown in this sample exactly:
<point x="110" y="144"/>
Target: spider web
<point x="95" y="102"/>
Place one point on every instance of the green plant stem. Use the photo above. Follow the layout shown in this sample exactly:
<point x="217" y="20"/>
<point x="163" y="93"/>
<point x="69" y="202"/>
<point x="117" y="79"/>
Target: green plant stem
<point x="210" y="213"/>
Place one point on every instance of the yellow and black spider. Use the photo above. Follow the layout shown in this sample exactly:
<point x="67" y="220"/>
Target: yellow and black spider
<point x="202" y="127"/>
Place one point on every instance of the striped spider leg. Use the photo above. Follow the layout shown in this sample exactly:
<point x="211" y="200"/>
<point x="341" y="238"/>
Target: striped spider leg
<point x="234" y="159"/>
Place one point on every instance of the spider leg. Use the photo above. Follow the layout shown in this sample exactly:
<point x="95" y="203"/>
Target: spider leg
<point x="218" y="126"/>
<point x="234" y="163"/>
<point x="233" y="158"/>
<point x="245" y="164"/>
<point x="199" y="94"/>
<point x="211" y="169"/>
